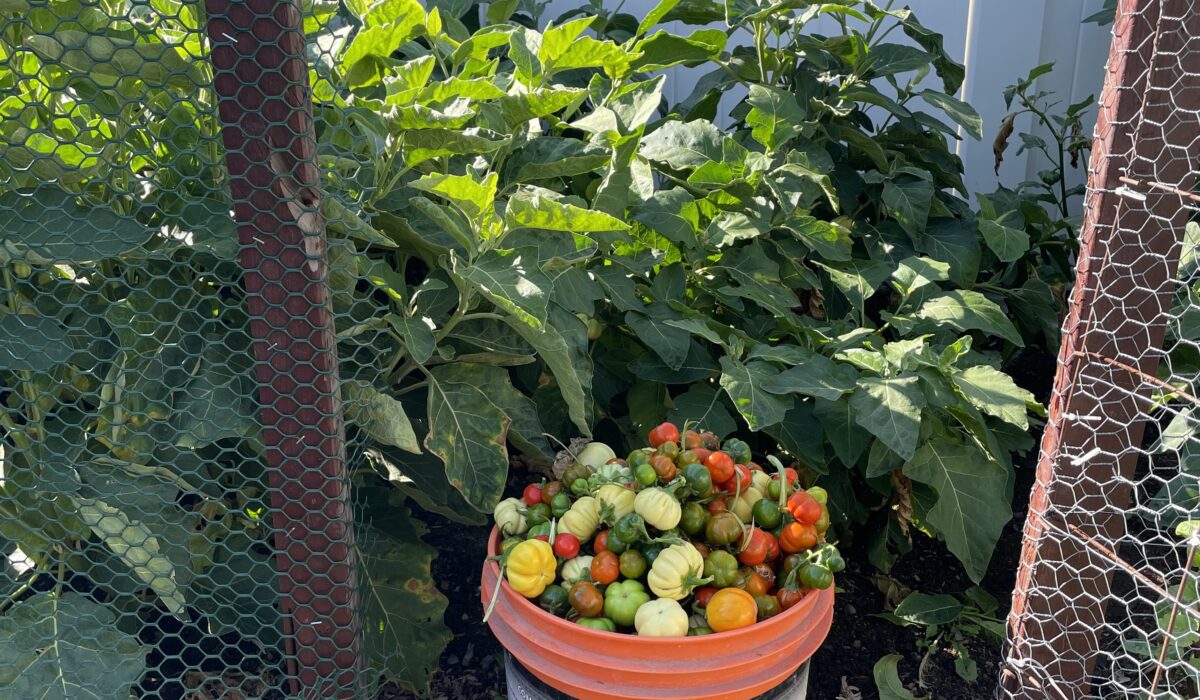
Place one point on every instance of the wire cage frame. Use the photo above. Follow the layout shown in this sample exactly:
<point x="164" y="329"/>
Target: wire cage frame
<point x="1105" y="599"/>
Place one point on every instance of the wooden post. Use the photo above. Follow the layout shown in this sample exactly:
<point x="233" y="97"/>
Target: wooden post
<point x="1130" y="246"/>
<point x="264" y="100"/>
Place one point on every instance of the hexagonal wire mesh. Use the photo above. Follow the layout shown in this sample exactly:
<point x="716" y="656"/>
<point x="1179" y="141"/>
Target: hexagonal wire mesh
<point x="174" y="510"/>
<point x="1106" y="603"/>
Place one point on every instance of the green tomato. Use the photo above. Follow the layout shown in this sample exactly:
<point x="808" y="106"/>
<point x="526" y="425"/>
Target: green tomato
<point x="816" y="576"/>
<point x="820" y="494"/>
<point x="699" y="631"/>
<point x="768" y="606"/>
<point x="615" y="545"/>
<point x="637" y="458"/>
<point x="598" y="623"/>
<point x="774" y="489"/>
<point x="622" y="600"/>
<point x="651" y="552"/>
<point x="694" y="517"/>
<point x="699" y="480"/>
<point x="670" y="449"/>
<point x="723" y="529"/>
<point x="722" y="567"/>
<point x="543" y="529"/>
<point x="738" y="450"/>
<point x="633" y="564"/>
<point x="554" y="600"/>
<point x="560" y="504"/>
<point x="836" y="563"/>
<point x="536" y="515"/>
<point x="645" y="475"/>
<point x="766" y="514"/>
<point x="508" y="543"/>
<point x="629" y="529"/>
<point x="580" y="487"/>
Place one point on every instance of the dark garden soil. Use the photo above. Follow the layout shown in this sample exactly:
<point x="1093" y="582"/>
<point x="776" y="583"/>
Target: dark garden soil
<point x="472" y="667"/>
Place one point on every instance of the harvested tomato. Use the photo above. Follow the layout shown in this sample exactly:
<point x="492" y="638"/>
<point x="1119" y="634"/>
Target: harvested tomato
<point x="773" y="550"/>
<point x="566" y="545"/>
<point x="751" y="581"/>
<point x="606" y="567"/>
<point x="723" y="528"/>
<point x="702" y="548"/>
<point x="768" y="606"/>
<point x="804" y="507"/>
<point x="586" y="599"/>
<point x="730" y="609"/>
<point x="767" y="572"/>
<point x="788" y="597"/>
<point x="550" y="490"/>
<point x="532" y="495"/>
<point x="797" y="537"/>
<point x="691" y="439"/>
<point x="663" y="432"/>
<point x="720" y="466"/>
<point x="753" y="546"/>
<point x="701" y="454"/>
<point x="710" y="441"/>
<point x="717" y="505"/>
<point x="600" y="544"/>
<point x="742" y="478"/>
<point x="670" y="449"/>
<point x="703" y="595"/>
<point x="664" y="466"/>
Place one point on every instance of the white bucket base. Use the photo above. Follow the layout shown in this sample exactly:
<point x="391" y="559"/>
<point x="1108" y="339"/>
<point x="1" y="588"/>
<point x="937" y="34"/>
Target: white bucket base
<point x="523" y="685"/>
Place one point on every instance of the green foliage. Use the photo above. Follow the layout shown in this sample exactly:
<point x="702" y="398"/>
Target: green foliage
<point x="949" y="622"/>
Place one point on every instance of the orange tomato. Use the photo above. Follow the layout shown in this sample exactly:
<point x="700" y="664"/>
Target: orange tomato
<point x="730" y="609"/>
<point x="606" y="567"/>
<point x="797" y="537"/>
<point x="752" y="582"/>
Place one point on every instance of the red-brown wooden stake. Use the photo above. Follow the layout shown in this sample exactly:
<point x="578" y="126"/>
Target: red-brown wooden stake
<point x="1125" y="281"/>
<point x="261" y="79"/>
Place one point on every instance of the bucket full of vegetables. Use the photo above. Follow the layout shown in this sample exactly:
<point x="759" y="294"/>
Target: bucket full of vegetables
<point x="682" y="571"/>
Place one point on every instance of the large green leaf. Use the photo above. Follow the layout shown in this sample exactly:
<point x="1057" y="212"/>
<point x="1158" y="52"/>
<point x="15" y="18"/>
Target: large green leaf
<point x="775" y="116"/>
<point x="48" y="224"/>
<point x="66" y="647"/>
<point x="35" y="343"/>
<point x="889" y="59"/>
<point x="757" y="278"/>
<point x="684" y="145"/>
<point x="668" y="342"/>
<point x="672" y="214"/>
<point x="955" y="242"/>
<point x="890" y="407"/>
<point x="380" y="416"/>
<point x="525" y="431"/>
<point x="417" y="335"/>
<point x="563" y="346"/>
<point x="965" y="310"/>
<point x="219" y="401"/>
<point x="925" y="609"/>
<point x="842" y="430"/>
<point x="800" y="433"/>
<point x="467" y="431"/>
<point x="745" y="385"/>
<point x="995" y="393"/>
<point x="704" y="406"/>
<point x="962" y="113"/>
<point x="137" y="546"/>
<point x="552" y="156"/>
<point x="663" y="49"/>
<point x="971" y="510"/>
<point x="1009" y="244"/>
<point x="536" y="207"/>
<point x="423" y="478"/>
<point x="513" y="283"/>
<point x="908" y="199"/>
<point x="402" y="610"/>
<point x="817" y="376"/>
<point x="386" y="26"/>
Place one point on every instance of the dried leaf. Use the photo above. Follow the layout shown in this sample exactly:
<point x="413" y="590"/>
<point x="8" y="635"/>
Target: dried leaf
<point x="1001" y="142"/>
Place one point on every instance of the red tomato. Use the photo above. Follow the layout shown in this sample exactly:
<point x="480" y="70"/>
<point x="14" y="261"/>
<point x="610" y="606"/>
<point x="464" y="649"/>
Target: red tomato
<point x="772" y="548"/>
<point x="703" y="595"/>
<point x="663" y="432"/>
<point x="727" y="486"/>
<point x="717" y="505"/>
<point x="532" y="495"/>
<point x="701" y="453"/>
<point x="743" y="477"/>
<point x="797" y="537"/>
<point x="600" y="544"/>
<point x="755" y="550"/>
<point x="788" y="597"/>
<point x="767" y="572"/>
<point x="720" y="466"/>
<point x="544" y="538"/>
<point x="566" y="545"/>
<point x="606" y="567"/>
<point x="804" y="507"/>
<point x="754" y="467"/>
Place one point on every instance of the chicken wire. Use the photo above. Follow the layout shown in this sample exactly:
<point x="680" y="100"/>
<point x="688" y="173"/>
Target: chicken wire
<point x="175" y="509"/>
<point x="1106" y="604"/>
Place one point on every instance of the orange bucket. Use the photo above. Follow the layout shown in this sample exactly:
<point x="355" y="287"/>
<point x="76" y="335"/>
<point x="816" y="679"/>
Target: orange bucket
<point x="596" y="665"/>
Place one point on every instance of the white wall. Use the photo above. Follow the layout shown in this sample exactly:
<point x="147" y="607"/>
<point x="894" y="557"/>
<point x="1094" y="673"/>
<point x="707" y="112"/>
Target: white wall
<point x="998" y="41"/>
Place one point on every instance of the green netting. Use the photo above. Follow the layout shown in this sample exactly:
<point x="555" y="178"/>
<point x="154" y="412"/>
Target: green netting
<point x="138" y="534"/>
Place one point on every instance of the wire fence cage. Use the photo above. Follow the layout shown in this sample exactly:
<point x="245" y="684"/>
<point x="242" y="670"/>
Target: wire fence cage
<point x="187" y="305"/>
<point x="1106" y="604"/>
